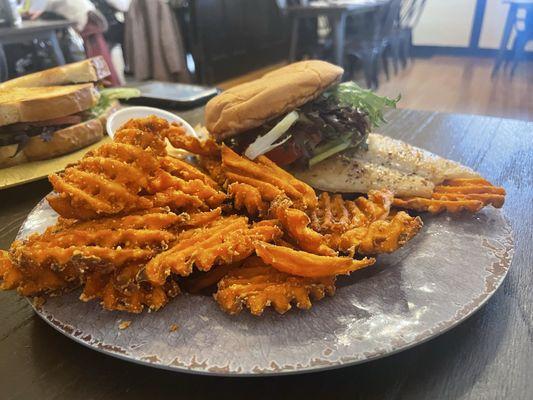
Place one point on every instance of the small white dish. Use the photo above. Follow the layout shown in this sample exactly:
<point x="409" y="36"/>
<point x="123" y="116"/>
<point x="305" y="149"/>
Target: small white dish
<point x="120" y="117"/>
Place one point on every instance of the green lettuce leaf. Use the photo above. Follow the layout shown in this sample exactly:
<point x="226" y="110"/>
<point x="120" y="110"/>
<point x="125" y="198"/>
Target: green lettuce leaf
<point x="349" y="94"/>
<point x="107" y="96"/>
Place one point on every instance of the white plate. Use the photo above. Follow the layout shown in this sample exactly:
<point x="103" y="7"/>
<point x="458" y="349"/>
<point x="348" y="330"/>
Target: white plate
<point x="120" y="117"/>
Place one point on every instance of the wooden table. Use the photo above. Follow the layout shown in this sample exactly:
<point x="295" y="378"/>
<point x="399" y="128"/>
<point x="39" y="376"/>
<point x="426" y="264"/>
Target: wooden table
<point x="514" y="7"/>
<point x="337" y="14"/>
<point x="490" y="356"/>
<point x="39" y="29"/>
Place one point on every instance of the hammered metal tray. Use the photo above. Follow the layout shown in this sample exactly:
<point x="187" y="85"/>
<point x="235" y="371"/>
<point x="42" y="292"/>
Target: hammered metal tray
<point x="435" y="282"/>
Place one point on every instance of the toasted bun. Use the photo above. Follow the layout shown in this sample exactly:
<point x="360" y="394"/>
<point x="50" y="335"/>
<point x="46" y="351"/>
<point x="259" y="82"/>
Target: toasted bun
<point x="91" y="70"/>
<point x="43" y="103"/>
<point x="9" y="156"/>
<point x="63" y="141"/>
<point x="251" y="104"/>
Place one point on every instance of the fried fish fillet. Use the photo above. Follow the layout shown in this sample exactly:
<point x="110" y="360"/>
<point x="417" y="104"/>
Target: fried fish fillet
<point x="404" y="169"/>
<point x="256" y="286"/>
<point x="420" y="180"/>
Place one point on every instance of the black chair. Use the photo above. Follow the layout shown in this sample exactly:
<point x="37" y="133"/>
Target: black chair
<point x="368" y="43"/>
<point x="305" y="41"/>
<point x="3" y="65"/>
<point x="401" y="40"/>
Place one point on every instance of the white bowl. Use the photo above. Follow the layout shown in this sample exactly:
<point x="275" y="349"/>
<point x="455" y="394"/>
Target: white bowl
<point x="120" y="117"/>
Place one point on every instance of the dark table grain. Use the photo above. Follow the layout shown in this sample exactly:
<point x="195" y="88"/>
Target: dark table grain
<point x="490" y="356"/>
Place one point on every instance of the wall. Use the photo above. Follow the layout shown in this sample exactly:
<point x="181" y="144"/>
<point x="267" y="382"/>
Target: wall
<point x="493" y="23"/>
<point x="448" y="23"/>
<point x="445" y="23"/>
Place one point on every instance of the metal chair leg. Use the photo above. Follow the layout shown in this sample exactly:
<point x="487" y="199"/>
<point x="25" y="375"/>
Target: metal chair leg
<point x="375" y="71"/>
<point x="519" y="51"/>
<point x="509" y="23"/>
<point x="367" y="69"/>
<point x="385" y="62"/>
<point x="395" y="54"/>
<point x="294" y="39"/>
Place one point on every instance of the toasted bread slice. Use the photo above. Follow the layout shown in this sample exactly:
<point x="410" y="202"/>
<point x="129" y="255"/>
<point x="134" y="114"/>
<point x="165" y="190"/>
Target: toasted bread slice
<point x="69" y="139"/>
<point x="61" y="142"/>
<point x="44" y="103"/>
<point x="91" y="70"/>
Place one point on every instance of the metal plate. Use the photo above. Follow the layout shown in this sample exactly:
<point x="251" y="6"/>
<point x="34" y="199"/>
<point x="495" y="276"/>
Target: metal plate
<point x="436" y="281"/>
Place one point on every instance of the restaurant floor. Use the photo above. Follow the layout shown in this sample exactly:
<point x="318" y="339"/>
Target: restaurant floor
<point x="452" y="84"/>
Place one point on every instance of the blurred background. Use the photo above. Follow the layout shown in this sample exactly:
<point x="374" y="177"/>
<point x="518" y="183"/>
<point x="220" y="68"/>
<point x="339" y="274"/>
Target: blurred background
<point x="463" y="56"/>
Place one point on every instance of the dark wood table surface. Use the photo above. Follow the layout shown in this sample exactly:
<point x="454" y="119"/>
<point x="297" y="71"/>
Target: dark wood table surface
<point x="489" y="356"/>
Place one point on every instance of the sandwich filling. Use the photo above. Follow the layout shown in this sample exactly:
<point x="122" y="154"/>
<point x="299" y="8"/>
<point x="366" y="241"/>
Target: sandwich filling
<point x="17" y="135"/>
<point x="339" y="119"/>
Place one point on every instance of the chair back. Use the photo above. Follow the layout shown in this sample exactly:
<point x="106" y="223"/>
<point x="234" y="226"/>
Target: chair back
<point x="391" y="17"/>
<point x="410" y="12"/>
<point x="373" y="30"/>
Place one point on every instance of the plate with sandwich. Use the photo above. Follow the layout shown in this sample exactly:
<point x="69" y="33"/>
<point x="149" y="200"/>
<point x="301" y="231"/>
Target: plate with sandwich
<point x="51" y="118"/>
<point x="290" y="239"/>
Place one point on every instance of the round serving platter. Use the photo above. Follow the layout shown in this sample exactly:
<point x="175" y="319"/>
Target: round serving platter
<point x="440" y="278"/>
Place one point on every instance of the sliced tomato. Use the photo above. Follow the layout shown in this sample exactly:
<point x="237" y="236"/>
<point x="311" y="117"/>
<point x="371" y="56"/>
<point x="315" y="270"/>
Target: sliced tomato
<point x="286" y="154"/>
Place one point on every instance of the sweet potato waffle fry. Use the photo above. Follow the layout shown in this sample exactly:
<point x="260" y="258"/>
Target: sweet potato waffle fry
<point x="227" y="240"/>
<point x="178" y="137"/>
<point x="270" y="180"/>
<point x="456" y="195"/>
<point x="297" y="225"/>
<point x="364" y="225"/>
<point x="308" y="265"/>
<point x="121" y="290"/>
<point x="378" y="237"/>
<point x="257" y="286"/>
<point x="247" y="198"/>
<point x="200" y="280"/>
<point x="132" y="173"/>
<point x="128" y="239"/>
<point x="135" y="223"/>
